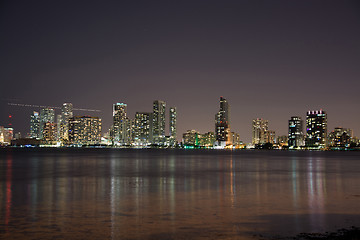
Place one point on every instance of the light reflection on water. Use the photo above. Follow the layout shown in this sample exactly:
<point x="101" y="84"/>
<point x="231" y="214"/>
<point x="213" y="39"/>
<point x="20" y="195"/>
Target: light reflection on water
<point x="156" y="194"/>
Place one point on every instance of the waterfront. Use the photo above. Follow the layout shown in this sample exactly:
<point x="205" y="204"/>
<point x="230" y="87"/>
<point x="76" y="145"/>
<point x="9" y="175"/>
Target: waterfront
<point x="175" y="194"/>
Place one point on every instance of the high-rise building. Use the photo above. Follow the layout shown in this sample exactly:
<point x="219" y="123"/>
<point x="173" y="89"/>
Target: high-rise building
<point x="142" y="129"/>
<point x="172" y="122"/>
<point x="49" y="133"/>
<point x="172" y="126"/>
<point x="119" y="127"/>
<point x="47" y="115"/>
<point x="222" y="123"/>
<point x="127" y="136"/>
<point x="340" y="137"/>
<point x="84" y="130"/>
<point x="59" y="132"/>
<point x="63" y="122"/>
<point x="259" y="131"/>
<point x="35" y="125"/>
<point x="296" y="135"/>
<point x="316" y="129"/>
<point x="158" y="133"/>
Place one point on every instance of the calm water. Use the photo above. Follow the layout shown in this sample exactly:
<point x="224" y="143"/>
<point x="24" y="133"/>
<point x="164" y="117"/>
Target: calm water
<point x="175" y="194"/>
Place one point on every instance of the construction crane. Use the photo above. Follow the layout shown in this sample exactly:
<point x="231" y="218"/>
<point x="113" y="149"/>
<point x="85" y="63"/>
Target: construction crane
<point x="38" y="106"/>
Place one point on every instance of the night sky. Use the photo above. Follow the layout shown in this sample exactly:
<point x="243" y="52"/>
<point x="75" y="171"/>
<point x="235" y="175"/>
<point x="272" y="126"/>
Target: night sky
<point x="269" y="59"/>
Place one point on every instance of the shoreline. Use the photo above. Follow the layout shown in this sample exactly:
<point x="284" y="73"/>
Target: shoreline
<point x="351" y="233"/>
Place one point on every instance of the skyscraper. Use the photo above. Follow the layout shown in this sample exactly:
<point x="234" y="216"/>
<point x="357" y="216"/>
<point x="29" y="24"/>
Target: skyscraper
<point x="66" y="114"/>
<point x="270" y="136"/>
<point x="142" y="129"/>
<point x="35" y="125"/>
<point x="158" y="133"/>
<point x="259" y="131"/>
<point x="49" y="133"/>
<point x="296" y="135"/>
<point x="316" y="129"/>
<point x="47" y="115"/>
<point x="222" y="123"/>
<point x="84" y="130"/>
<point x="172" y="125"/>
<point x="118" y="131"/>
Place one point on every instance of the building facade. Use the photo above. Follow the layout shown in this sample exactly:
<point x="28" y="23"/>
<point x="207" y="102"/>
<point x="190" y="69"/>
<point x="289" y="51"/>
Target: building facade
<point x="340" y="137"/>
<point x="222" y="123"/>
<point x="158" y="133"/>
<point x="270" y="136"/>
<point x="63" y="122"/>
<point x="142" y="129"/>
<point x="316" y="130"/>
<point x="47" y="115"/>
<point x="296" y="135"/>
<point x="84" y="130"/>
<point x="49" y="133"/>
<point x="35" y="125"/>
<point x="260" y="128"/>
<point x="207" y="139"/>
<point x="191" y="138"/>
<point x="172" y="125"/>
<point x="6" y="135"/>
<point x="121" y="129"/>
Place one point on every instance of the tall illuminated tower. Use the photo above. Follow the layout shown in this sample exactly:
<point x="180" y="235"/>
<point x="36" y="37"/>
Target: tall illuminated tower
<point x="119" y="122"/>
<point x="222" y="123"/>
<point x="35" y="125"/>
<point x="47" y="115"/>
<point x="158" y="132"/>
<point x="66" y="114"/>
<point x="172" y="122"/>
<point x="142" y="128"/>
<point x="260" y="128"/>
<point x="296" y="135"/>
<point x="316" y="129"/>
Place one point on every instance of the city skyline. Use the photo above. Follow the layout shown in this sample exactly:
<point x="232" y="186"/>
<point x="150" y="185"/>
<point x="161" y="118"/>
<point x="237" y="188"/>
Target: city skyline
<point x="56" y="112"/>
<point x="150" y="128"/>
<point x="270" y="60"/>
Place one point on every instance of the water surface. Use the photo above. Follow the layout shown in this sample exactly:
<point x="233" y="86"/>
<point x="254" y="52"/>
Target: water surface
<point x="175" y="194"/>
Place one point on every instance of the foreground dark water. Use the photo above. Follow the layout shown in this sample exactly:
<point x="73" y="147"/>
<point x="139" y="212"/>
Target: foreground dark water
<point x="175" y="194"/>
